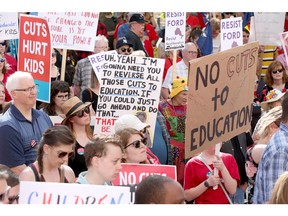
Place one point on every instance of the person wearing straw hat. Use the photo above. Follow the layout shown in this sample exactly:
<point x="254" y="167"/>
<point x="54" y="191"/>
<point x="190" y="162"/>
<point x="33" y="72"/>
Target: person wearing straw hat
<point x="273" y="99"/>
<point x="78" y="120"/>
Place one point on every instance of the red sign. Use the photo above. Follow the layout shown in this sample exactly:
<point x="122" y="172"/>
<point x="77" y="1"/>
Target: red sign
<point x="34" y="47"/>
<point x="132" y="174"/>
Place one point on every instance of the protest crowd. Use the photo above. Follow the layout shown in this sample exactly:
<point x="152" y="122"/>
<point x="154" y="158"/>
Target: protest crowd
<point x="126" y="102"/>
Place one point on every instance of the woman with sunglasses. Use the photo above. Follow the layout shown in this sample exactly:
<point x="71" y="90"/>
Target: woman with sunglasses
<point x="4" y="74"/>
<point x="56" y="146"/>
<point x="275" y="78"/>
<point x="78" y="120"/>
<point x="134" y="145"/>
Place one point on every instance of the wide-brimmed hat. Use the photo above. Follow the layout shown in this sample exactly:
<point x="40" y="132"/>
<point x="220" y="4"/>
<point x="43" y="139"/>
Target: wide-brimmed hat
<point x="72" y="106"/>
<point x="178" y="85"/>
<point x="272" y="96"/>
<point x="129" y="121"/>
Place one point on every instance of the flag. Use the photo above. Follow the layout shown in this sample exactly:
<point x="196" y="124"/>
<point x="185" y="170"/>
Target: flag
<point x="205" y="42"/>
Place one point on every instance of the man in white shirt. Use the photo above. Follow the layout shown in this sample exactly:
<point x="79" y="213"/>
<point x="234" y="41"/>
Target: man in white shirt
<point x="188" y="53"/>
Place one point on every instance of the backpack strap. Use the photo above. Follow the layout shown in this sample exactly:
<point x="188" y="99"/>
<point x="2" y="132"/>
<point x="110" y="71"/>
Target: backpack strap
<point x="35" y="171"/>
<point x="221" y="185"/>
<point x="62" y="175"/>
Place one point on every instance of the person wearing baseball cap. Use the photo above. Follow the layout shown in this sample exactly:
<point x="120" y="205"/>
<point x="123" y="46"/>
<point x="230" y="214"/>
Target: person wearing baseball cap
<point x="123" y="47"/>
<point x="137" y="29"/>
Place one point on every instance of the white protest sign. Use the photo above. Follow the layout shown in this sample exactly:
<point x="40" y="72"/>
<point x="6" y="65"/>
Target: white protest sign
<point x="128" y="85"/>
<point x="231" y="33"/>
<point x="72" y="30"/>
<point x="284" y="42"/>
<point x="65" y="193"/>
<point x="268" y="26"/>
<point x="175" y="29"/>
<point x="9" y="26"/>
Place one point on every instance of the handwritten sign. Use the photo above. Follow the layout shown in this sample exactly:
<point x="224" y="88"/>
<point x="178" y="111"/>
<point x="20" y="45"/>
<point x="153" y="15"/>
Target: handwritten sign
<point x="220" y="97"/>
<point x="284" y="42"/>
<point x="128" y="84"/>
<point x="231" y="33"/>
<point x="9" y="25"/>
<point x="132" y="174"/>
<point x="63" y="193"/>
<point x="72" y="30"/>
<point x="268" y="26"/>
<point x="35" y="53"/>
<point x="175" y="29"/>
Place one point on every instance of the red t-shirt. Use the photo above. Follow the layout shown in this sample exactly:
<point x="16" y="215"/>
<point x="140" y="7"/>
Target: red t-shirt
<point x="196" y="172"/>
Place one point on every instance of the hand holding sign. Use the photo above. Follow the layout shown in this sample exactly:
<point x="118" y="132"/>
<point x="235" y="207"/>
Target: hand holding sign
<point x="218" y="164"/>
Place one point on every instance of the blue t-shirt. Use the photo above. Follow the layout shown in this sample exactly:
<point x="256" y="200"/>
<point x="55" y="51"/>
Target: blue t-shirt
<point x="19" y="137"/>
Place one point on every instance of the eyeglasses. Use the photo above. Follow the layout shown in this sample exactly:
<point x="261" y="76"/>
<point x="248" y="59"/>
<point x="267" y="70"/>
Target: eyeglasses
<point x="193" y="52"/>
<point x="3" y="43"/>
<point x="3" y="195"/>
<point x="229" y="13"/>
<point x="124" y="50"/>
<point x="29" y="89"/>
<point x="137" y="143"/>
<point x="277" y="71"/>
<point x="102" y="48"/>
<point x="13" y="199"/>
<point x="63" y="154"/>
<point x="2" y="60"/>
<point x="80" y="114"/>
<point x="62" y="96"/>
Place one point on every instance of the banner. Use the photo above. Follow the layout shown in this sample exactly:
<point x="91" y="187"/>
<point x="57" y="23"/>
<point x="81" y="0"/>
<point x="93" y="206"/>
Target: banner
<point x="72" y="30"/>
<point x="63" y="193"/>
<point x="175" y="29"/>
<point x="220" y="97"/>
<point x="128" y="85"/>
<point x="9" y="25"/>
<point x="35" y="53"/>
<point x="231" y="33"/>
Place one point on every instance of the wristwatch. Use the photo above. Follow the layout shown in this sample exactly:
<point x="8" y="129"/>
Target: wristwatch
<point x="206" y="184"/>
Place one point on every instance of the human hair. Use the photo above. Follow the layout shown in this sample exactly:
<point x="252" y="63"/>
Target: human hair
<point x="215" y="24"/>
<point x="194" y="34"/>
<point x="101" y="38"/>
<point x="268" y="76"/>
<point x="280" y="190"/>
<point x="3" y="175"/>
<point x="152" y="190"/>
<point x="56" y="87"/>
<point x="98" y="146"/>
<point x="125" y="135"/>
<point x="14" y="80"/>
<point x="273" y="115"/>
<point x="246" y="30"/>
<point x="12" y="179"/>
<point x="54" y="137"/>
<point x="4" y="69"/>
<point x="88" y="129"/>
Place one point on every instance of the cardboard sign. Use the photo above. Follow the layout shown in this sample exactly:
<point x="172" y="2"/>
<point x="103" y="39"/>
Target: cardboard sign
<point x="220" y="97"/>
<point x="63" y="193"/>
<point x="267" y="27"/>
<point x="128" y="85"/>
<point x="231" y="33"/>
<point x="175" y="30"/>
<point x="72" y="30"/>
<point x="9" y="26"/>
<point x="132" y="174"/>
<point x="35" y="53"/>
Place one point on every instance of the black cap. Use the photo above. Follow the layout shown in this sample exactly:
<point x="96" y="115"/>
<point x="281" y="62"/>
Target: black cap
<point x="121" y="42"/>
<point x="137" y="17"/>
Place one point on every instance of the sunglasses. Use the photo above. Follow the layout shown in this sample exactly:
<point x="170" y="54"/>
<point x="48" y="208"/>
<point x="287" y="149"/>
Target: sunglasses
<point x="13" y="199"/>
<point x="124" y="50"/>
<point x="137" y="143"/>
<point x="277" y="71"/>
<point x="80" y="114"/>
<point x="2" y="60"/>
<point x="63" y="154"/>
<point x="3" y="43"/>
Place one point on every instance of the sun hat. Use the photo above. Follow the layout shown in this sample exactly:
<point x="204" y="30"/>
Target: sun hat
<point x="72" y="106"/>
<point x="272" y="96"/>
<point x="178" y="85"/>
<point x="129" y="121"/>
